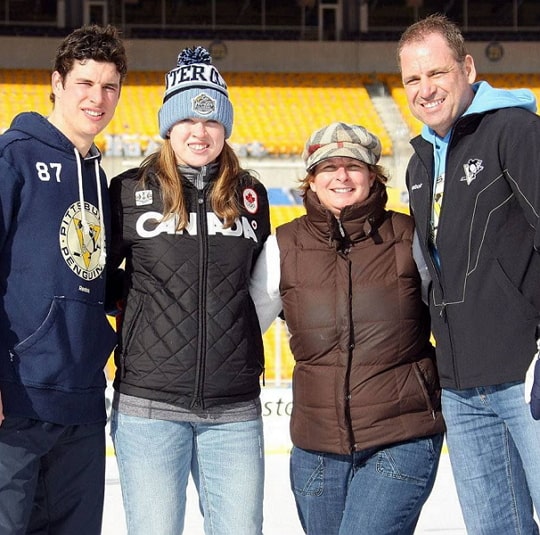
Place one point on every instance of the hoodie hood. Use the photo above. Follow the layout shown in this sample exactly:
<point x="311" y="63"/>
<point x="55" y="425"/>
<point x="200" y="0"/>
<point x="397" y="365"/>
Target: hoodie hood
<point x="488" y="98"/>
<point x="38" y="127"/>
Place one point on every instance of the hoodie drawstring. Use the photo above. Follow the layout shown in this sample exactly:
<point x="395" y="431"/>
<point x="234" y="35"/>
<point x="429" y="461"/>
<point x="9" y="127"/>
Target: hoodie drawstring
<point x="84" y="221"/>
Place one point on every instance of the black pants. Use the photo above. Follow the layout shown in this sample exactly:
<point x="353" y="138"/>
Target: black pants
<point x="52" y="478"/>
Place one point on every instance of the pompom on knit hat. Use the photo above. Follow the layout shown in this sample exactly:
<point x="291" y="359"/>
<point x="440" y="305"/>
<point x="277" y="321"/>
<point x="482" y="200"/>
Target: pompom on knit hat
<point x="341" y="139"/>
<point x="195" y="89"/>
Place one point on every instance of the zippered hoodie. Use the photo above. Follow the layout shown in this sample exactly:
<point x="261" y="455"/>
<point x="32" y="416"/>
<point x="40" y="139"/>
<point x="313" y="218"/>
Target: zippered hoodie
<point x="485" y="294"/>
<point x="54" y="335"/>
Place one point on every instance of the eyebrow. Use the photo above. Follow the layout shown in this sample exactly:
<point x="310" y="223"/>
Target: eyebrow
<point x="90" y="81"/>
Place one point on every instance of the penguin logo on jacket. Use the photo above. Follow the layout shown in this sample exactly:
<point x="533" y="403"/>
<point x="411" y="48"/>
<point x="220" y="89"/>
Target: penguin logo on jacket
<point x="472" y="168"/>
<point x="80" y="240"/>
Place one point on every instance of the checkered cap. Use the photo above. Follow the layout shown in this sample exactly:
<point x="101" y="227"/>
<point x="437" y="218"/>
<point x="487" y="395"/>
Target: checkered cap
<point x="341" y="139"/>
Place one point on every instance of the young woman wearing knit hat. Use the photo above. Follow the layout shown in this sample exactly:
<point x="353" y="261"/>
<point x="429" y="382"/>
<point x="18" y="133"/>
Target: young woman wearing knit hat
<point x="189" y="224"/>
<point x="366" y="422"/>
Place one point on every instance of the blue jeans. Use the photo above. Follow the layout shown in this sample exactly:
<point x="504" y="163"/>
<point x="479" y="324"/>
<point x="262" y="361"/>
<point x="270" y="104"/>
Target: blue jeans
<point x="155" y="458"/>
<point x="379" y="491"/>
<point x="494" y="448"/>
<point x="52" y="477"/>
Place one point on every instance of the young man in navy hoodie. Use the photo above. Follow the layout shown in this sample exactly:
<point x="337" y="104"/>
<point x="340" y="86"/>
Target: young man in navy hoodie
<point x="473" y="190"/>
<point x="54" y="336"/>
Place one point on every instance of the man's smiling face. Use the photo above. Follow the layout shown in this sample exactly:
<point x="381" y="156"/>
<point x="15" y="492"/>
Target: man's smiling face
<point x="438" y="87"/>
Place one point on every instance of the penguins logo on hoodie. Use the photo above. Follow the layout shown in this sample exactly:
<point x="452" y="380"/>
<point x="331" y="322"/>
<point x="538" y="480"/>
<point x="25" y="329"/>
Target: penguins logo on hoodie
<point x="80" y="240"/>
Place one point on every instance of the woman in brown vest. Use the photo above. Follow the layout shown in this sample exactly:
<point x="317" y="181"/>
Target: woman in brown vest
<point x="366" y="424"/>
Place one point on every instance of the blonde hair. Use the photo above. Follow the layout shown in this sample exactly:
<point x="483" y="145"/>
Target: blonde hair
<point x="223" y="197"/>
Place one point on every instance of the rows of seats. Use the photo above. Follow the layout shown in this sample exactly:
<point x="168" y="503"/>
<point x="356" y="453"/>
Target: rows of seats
<point x="277" y="111"/>
<point x="395" y="87"/>
<point x="281" y="110"/>
<point x="276" y="339"/>
<point x="22" y="90"/>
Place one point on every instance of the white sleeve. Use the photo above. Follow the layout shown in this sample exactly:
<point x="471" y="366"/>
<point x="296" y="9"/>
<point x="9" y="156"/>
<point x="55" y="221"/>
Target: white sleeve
<point x="264" y="284"/>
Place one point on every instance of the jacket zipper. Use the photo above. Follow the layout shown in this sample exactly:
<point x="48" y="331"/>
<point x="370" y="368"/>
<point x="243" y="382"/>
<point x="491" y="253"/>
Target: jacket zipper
<point x="424" y="390"/>
<point x="198" y="401"/>
<point x="443" y="313"/>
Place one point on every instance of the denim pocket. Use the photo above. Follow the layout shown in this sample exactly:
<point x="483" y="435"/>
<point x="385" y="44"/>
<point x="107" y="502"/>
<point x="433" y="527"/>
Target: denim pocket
<point x="414" y="460"/>
<point x="307" y="473"/>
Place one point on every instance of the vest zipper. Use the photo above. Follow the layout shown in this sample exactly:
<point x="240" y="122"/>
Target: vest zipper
<point x="198" y="401"/>
<point x="350" y="348"/>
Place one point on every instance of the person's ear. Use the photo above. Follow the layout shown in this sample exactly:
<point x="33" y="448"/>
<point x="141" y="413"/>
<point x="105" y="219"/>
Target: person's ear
<point x="470" y="69"/>
<point x="57" y="83"/>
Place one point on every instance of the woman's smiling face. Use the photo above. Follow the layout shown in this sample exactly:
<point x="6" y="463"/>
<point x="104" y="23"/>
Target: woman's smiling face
<point x="197" y="142"/>
<point x="340" y="182"/>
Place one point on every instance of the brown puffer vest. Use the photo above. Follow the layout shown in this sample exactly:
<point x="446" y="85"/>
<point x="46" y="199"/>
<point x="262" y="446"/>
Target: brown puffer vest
<point x="365" y="372"/>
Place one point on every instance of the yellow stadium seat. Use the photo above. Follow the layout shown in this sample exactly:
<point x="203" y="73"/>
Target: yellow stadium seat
<point x="278" y="110"/>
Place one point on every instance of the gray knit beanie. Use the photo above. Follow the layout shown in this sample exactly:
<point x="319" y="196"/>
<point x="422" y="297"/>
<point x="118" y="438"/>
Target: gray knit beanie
<point x="195" y="89"/>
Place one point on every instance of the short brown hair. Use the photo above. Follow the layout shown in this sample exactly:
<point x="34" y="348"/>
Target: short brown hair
<point x="435" y="23"/>
<point x="99" y="43"/>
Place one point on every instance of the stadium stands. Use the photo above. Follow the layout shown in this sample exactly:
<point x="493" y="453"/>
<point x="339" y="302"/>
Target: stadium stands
<point x="282" y="109"/>
<point x="274" y="112"/>
<point x="22" y="90"/>
<point x="278" y="111"/>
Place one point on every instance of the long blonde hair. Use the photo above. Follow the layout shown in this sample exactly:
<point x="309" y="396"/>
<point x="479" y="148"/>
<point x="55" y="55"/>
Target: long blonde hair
<point x="223" y="197"/>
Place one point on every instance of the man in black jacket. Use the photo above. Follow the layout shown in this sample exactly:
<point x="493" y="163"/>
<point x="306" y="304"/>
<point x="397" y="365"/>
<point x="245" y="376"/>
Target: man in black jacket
<point x="473" y="190"/>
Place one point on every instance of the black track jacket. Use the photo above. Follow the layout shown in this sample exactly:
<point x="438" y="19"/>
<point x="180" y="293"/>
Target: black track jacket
<point x="485" y="299"/>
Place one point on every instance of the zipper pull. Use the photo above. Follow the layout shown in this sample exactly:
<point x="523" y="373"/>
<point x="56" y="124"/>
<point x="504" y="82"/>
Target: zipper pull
<point x="442" y="313"/>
